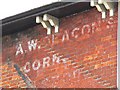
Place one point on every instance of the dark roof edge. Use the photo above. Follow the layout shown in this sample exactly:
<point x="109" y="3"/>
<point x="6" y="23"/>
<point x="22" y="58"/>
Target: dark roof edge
<point x="34" y="11"/>
<point x="26" y="20"/>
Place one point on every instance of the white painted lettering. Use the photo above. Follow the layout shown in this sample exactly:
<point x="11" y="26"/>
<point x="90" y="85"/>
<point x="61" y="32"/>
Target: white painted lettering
<point x="55" y="59"/>
<point x="65" y="36"/>
<point x="73" y="32"/>
<point x="111" y="21"/>
<point x="94" y="27"/>
<point x="34" y="65"/>
<point x="46" y="61"/>
<point x="53" y="39"/>
<point x="64" y="60"/>
<point x="27" y="67"/>
<point x="86" y="27"/>
<point x="32" y="45"/>
<point x="19" y="49"/>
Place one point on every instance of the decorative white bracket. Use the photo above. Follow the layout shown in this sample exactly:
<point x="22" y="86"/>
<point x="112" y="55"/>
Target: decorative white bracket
<point x="45" y="24"/>
<point x="100" y="1"/>
<point x="102" y="6"/>
<point x="109" y="6"/>
<point x="93" y="3"/>
<point x="53" y="21"/>
<point x="101" y="9"/>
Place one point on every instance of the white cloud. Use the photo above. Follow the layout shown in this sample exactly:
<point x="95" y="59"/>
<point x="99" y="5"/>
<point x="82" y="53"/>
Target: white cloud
<point x="13" y="7"/>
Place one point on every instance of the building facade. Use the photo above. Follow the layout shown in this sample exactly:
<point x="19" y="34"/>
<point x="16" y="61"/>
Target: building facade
<point x="83" y="54"/>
